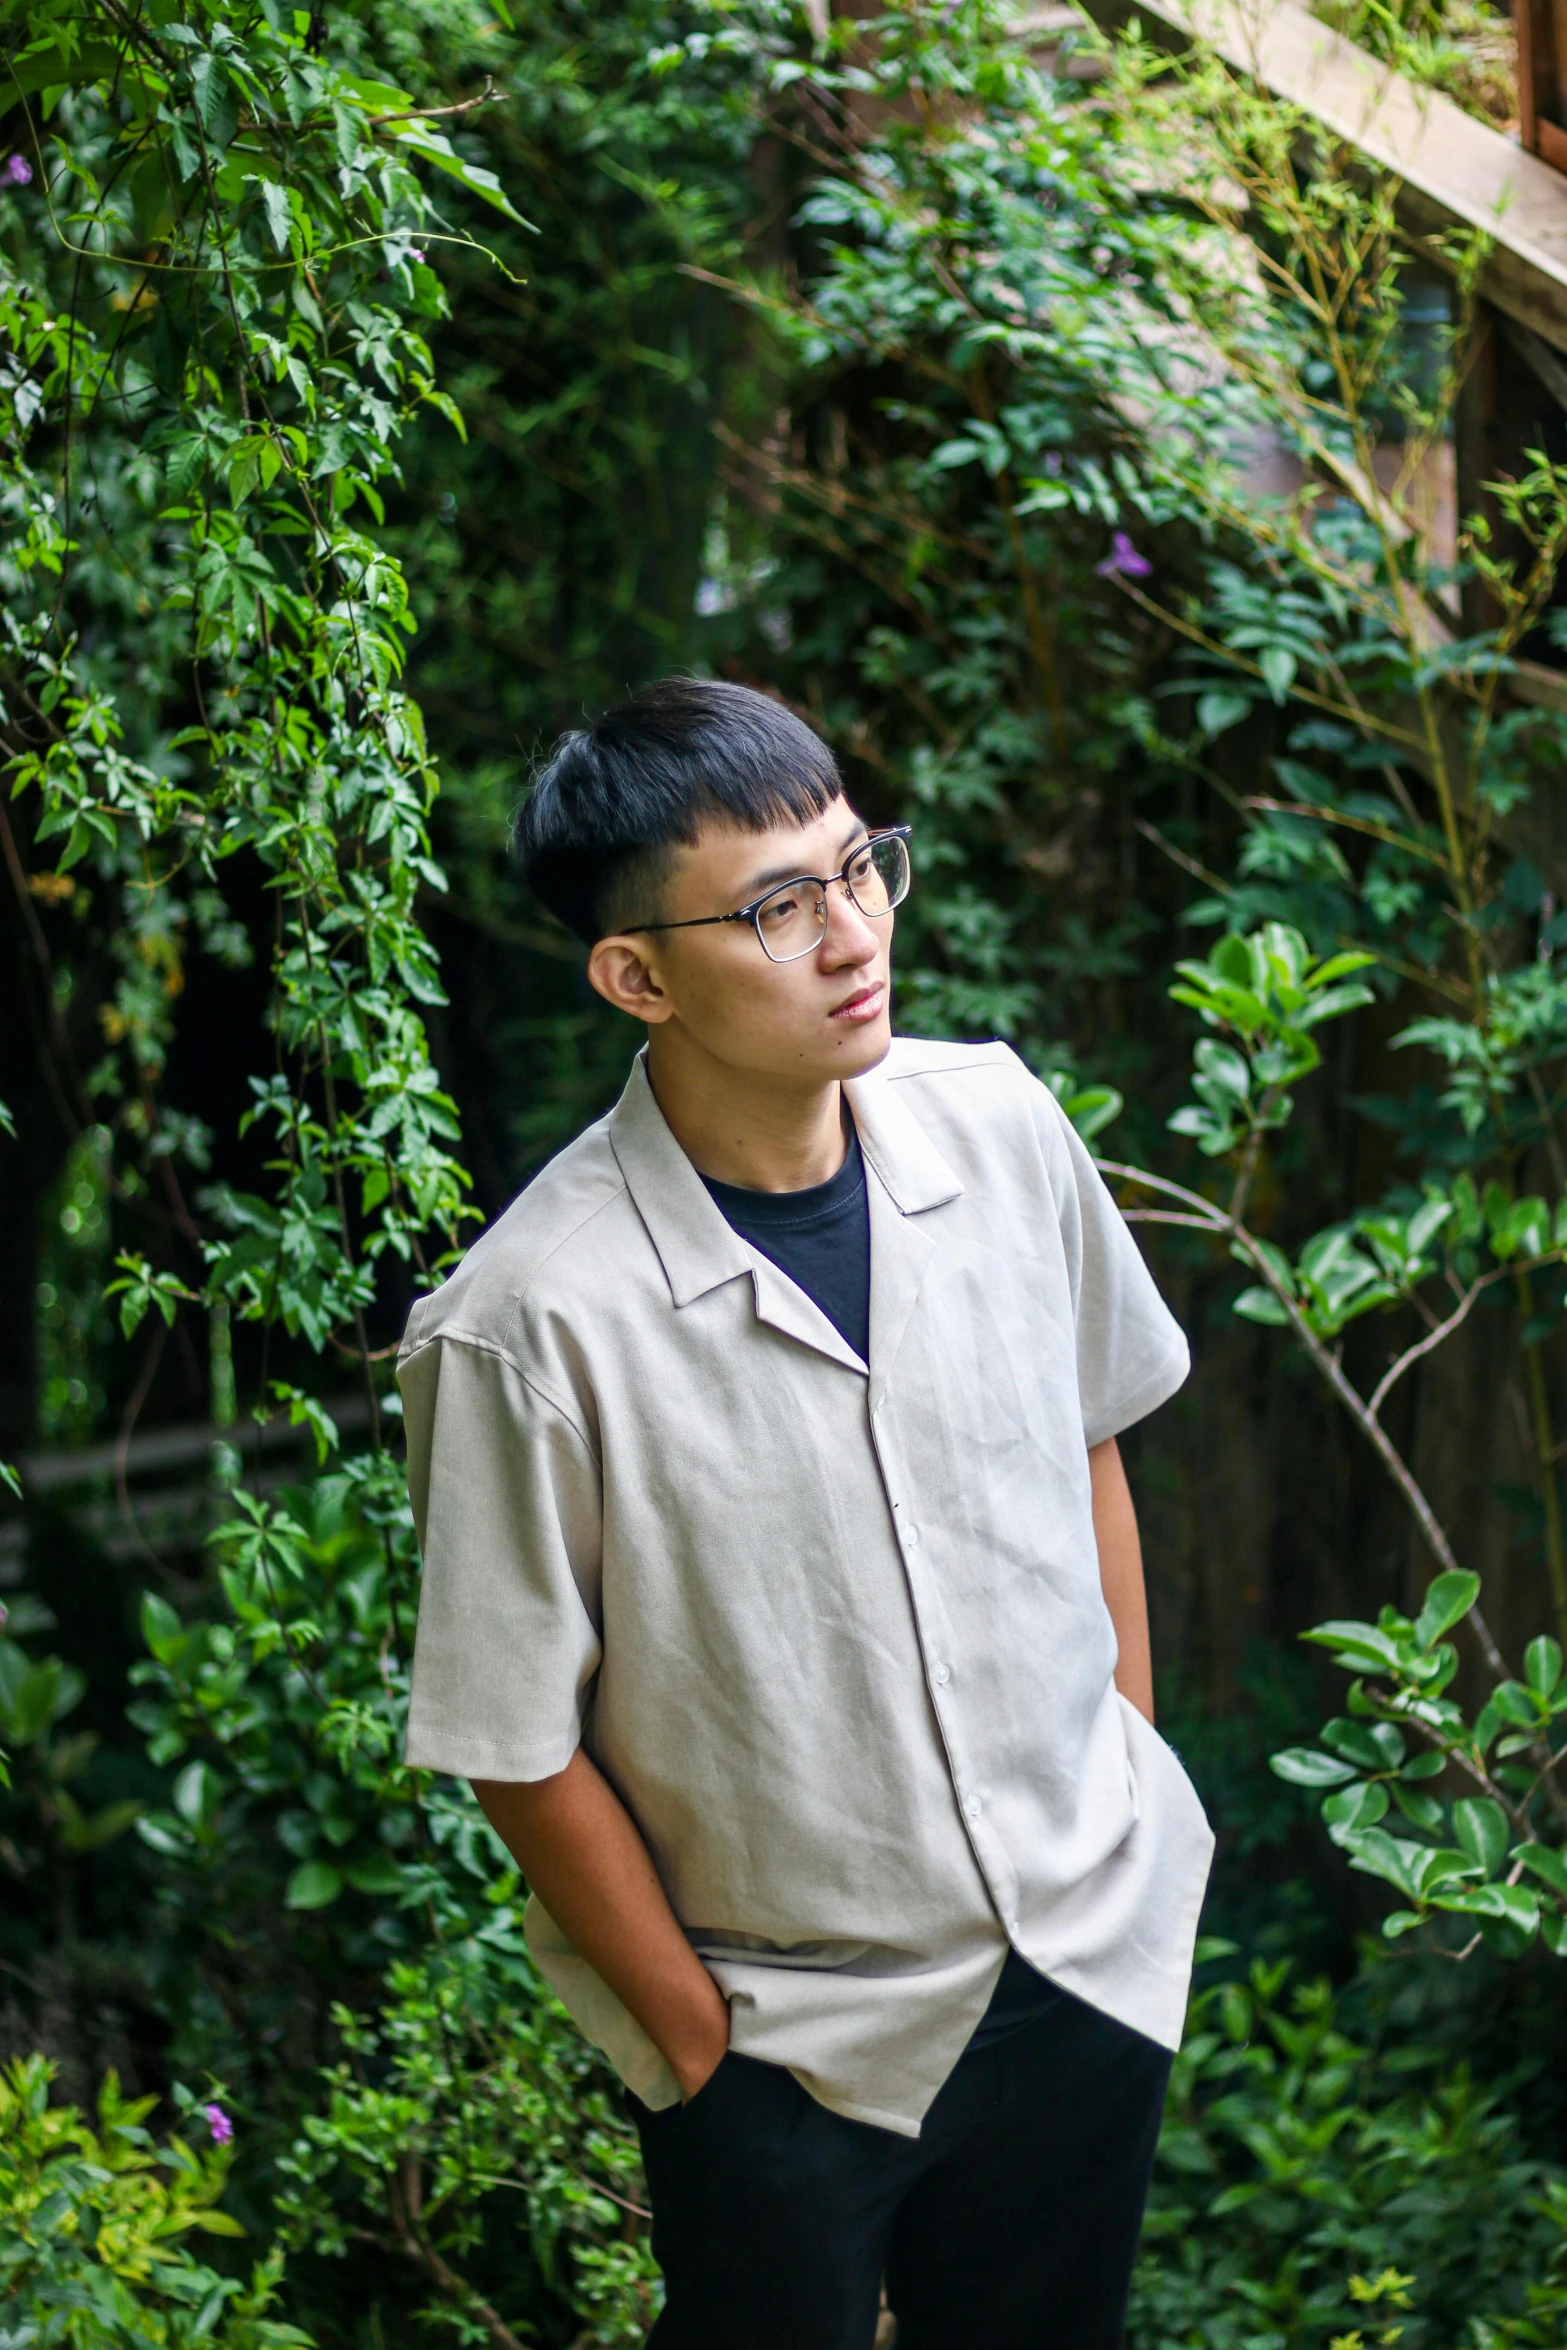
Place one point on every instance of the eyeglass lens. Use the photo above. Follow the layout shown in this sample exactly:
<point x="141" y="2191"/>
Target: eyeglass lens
<point x="790" y="922"/>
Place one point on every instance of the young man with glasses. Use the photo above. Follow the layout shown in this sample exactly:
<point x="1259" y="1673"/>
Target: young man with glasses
<point x="782" y="1593"/>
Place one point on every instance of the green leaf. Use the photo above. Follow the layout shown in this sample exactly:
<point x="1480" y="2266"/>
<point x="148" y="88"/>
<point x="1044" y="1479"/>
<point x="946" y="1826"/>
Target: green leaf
<point x="275" y="202"/>
<point x="1548" y="1864"/>
<point x="1448" y="1598"/>
<point x="1277" y="664"/>
<point x="1542" y="1665"/>
<point x="1370" y="1746"/>
<point x="1394" y="1859"/>
<point x="1218" y="712"/>
<point x="378" y="1873"/>
<point x="1361" y="1642"/>
<point x="198" y="1791"/>
<point x="161" y="1628"/>
<point x="1260" y="1305"/>
<point x="1303" y="1766"/>
<point x="1482" y="1829"/>
<point x="91" y="1831"/>
<point x="38" y="1696"/>
<point x="418" y="139"/>
<point x="1351" y="1809"/>
<point x="1228" y="1078"/>
<point x="1516" y="1906"/>
<point x="46" y="66"/>
<point x="1340" y="966"/>
<point x="1423" y="1810"/>
<point x="1095" y="1108"/>
<point x="314" y="1886"/>
<point x="1332" y="1004"/>
<point x="1513" y="1703"/>
<point x="308" y="1411"/>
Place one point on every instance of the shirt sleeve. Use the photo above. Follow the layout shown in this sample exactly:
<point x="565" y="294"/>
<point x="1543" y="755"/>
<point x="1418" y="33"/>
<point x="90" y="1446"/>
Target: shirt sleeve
<point x="1131" y="1351"/>
<point x="507" y="1502"/>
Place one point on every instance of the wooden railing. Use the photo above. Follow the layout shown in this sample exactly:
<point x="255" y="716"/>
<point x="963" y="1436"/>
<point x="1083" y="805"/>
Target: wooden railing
<point x="151" y="1495"/>
<point x="1451" y="172"/>
<point x="1454" y="171"/>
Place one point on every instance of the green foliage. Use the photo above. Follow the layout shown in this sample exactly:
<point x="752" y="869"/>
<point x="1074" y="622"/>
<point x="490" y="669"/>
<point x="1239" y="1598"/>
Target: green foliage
<point x="944" y="476"/>
<point x="269" y="351"/>
<point x="282" y="1717"/>
<point x="92" y="2229"/>
<point x="218" y="286"/>
<point x="1491" y="1857"/>
<point x="37" y="1694"/>
<point x="1269" y="991"/>
<point x="468" y="2129"/>
<point x="470" y="2082"/>
<point x="920" y="559"/>
<point x="1541" y="2325"/>
<point x="1298" y="2165"/>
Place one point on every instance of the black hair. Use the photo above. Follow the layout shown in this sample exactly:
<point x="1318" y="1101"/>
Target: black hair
<point x="596" y="835"/>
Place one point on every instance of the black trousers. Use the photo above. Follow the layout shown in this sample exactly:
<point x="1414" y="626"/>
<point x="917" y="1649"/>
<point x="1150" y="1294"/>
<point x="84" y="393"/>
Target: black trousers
<point x="1010" y="2223"/>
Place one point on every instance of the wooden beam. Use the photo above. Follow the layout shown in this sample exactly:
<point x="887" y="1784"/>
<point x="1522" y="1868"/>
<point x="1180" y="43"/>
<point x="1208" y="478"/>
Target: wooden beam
<point x="1542" y="78"/>
<point x="1456" y="172"/>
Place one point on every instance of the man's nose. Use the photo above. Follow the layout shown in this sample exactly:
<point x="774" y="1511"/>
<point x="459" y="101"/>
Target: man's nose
<point x="847" y="937"/>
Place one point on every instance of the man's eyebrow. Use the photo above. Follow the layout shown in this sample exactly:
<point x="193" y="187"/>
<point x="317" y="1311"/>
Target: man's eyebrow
<point x="779" y="873"/>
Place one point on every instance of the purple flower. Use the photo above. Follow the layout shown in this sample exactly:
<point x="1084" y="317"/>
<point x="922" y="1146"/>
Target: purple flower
<point x="1123" y="560"/>
<point x="414" y="254"/>
<point x="16" y="171"/>
<point x="219" y="2124"/>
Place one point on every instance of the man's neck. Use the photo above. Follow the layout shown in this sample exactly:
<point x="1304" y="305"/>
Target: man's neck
<point x="747" y="1129"/>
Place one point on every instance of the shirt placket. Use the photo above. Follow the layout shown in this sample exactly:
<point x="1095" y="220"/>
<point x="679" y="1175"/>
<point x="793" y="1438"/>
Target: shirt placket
<point x="948" y="1672"/>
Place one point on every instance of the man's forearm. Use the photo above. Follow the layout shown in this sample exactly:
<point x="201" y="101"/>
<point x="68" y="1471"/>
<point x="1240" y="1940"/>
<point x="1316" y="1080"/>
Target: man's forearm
<point x="1121" y="1574"/>
<point x="581" y="1852"/>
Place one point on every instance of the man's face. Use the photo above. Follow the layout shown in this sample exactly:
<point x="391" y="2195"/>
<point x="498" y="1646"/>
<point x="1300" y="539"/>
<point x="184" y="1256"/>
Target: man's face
<point x="824" y="1015"/>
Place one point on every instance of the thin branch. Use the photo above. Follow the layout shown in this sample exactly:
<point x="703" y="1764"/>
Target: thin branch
<point x="1382" y="832"/>
<point x="1187" y="863"/>
<point x="1390" y="1378"/>
<point x="405" y="2200"/>
<point x="1168" y="1216"/>
<point x="432" y="113"/>
<point x="1331" y="1369"/>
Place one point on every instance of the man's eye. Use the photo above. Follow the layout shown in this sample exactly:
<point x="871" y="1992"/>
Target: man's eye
<point x="782" y="909"/>
<point x="859" y="865"/>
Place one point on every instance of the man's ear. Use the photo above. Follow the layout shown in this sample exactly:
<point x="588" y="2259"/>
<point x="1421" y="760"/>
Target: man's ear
<point x="625" y="973"/>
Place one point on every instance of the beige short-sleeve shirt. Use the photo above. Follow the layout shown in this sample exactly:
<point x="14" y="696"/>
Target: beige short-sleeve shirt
<point x="833" y="1629"/>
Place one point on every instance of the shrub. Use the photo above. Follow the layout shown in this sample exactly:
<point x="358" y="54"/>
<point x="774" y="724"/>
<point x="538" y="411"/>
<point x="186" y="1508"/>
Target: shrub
<point x="92" y="2223"/>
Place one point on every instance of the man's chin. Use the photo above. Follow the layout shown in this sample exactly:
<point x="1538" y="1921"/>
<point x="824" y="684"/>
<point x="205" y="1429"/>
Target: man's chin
<point x="865" y="1049"/>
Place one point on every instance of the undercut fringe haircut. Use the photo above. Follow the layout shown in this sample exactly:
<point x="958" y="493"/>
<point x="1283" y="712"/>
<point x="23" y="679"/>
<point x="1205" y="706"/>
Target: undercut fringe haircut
<point x="612" y="803"/>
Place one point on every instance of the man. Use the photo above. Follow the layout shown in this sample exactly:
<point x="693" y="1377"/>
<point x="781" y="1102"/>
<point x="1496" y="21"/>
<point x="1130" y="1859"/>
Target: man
<point x="782" y="1592"/>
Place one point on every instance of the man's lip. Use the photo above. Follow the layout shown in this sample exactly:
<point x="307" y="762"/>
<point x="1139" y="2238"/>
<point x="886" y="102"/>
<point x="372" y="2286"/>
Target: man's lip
<point x="862" y="1003"/>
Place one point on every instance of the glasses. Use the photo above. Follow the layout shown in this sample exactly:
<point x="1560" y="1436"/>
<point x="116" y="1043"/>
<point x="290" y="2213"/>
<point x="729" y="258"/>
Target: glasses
<point x="790" y="919"/>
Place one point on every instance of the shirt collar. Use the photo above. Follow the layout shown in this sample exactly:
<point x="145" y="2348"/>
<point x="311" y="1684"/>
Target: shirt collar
<point x="897" y="1145"/>
<point x="696" y="1244"/>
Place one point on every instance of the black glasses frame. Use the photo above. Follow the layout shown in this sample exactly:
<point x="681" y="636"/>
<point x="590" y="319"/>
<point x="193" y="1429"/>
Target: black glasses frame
<point x="821" y="881"/>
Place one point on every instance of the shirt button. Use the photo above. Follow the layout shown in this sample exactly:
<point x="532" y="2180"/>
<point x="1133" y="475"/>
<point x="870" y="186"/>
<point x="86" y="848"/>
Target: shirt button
<point x="973" y="1806"/>
<point x="941" y="1675"/>
<point x="911" y="1535"/>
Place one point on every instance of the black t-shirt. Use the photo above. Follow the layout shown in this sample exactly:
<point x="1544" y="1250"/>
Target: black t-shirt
<point x="821" y="1238"/>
